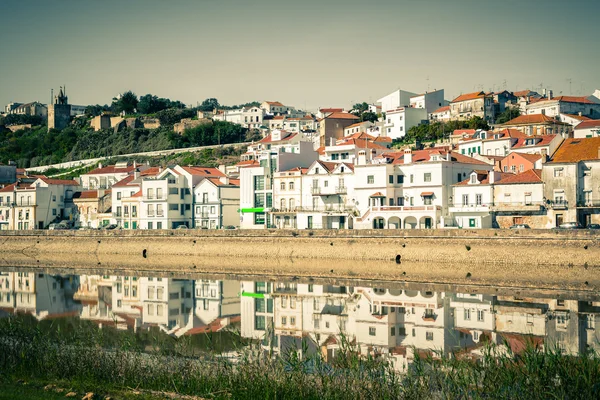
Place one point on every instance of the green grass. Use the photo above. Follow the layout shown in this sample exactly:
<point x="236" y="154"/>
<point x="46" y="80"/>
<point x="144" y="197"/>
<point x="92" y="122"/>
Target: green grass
<point x="80" y="356"/>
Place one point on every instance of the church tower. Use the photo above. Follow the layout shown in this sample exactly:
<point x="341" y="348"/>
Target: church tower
<point x="59" y="113"/>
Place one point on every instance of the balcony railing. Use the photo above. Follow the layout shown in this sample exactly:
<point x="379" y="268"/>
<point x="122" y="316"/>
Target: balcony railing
<point x="315" y="190"/>
<point x="341" y="189"/>
<point x="559" y="204"/>
<point x="155" y="198"/>
<point x="331" y="209"/>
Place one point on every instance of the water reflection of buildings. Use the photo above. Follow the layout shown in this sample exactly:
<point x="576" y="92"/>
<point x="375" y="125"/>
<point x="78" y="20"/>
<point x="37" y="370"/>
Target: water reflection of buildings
<point x="394" y="323"/>
<point x="390" y="323"/>
<point x="41" y="295"/>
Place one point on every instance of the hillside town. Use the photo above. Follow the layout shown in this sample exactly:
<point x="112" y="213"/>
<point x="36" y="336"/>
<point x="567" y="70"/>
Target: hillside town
<point x="335" y="169"/>
<point x="394" y="324"/>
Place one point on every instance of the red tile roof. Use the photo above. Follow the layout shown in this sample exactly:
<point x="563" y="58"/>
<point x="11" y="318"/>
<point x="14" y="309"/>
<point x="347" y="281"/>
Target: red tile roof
<point x="543" y="140"/>
<point x="218" y="182"/>
<point x="529" y="157"/>
<point x="575" y="150"/>
<point x="248" y="163"/>
<point x="523" y="93"/>
<point x="532" y="119"/>
<point x="331" y="110"/>
<point x="342" y="115"/>
<point x="463" y="131"/>
<point x="468" y="96"/>
<point x="577" y="117"/>
<point x="593" y="123"/>
<point x="137" y="194"/>
<point x="274" y="103"/>
<point x="86" y="194"/>
<point x="8" y="188"/>
<point x="377" y="194"/>
<point x="111" y="169"/>
<point x="573" y="99"/>
<point x="125" y="182"/>
<point x="50" y="181"/>
<point x="529" y="176"/>
<point x="268" y="138"/>
<point x="203" y="171"/>
<point x="442" y="109"/>
<point x="361" y="144"/>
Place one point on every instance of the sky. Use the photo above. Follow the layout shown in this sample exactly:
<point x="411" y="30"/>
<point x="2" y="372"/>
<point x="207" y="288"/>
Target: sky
<point x="304" y="53"/>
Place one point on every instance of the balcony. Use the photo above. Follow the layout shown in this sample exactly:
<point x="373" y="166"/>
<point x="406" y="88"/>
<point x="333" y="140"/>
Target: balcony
<point x="559" y="204"/>
<point x="469" y="207"/>
<point x="333" y="209"/>
<point x="315" y="190"/>
<point x="155" y="198"/>
<point x="588" y="204"/>
<point x="341" y="189"/>
<point x="518" y="206"/>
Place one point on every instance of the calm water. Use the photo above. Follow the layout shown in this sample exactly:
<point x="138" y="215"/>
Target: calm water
<point x="392" y="322"/>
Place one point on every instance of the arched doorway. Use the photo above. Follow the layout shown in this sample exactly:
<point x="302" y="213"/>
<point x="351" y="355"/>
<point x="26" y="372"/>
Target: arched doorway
<point x="394" y="223"/>
<point x="410" y="223"/>
<point x="426" y="223"/>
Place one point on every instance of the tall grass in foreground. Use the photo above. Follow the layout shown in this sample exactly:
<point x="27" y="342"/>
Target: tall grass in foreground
<point x="86" y="356"/>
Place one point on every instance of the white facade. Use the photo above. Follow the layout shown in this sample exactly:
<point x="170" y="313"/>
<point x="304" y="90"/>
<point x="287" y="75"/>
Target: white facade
<point x="473" y="201"/>
<point x="430" y="101"/>
<point x="587" y="130"/>
<point x="398" y="121"/>
<point x="396" y="99"/>
<point x="166" y="302"/>
<point x="358" y="127"/>
<point x="216" y="202"/>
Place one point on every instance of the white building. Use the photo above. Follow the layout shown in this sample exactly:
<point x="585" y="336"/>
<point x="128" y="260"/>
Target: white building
<point x="441" y="114"/>
<point x="327" y="192"/>
<point x="399" y="120"/>
<point x="395" y="100"/>
<point x="216" y="202"/>
<point x="287" y="197"/>
<point x="358" y="128"/>
<point x="430" y="101"/>
<point x="587" y="129"/>
<point x="554" y="106"/>
<point x="167" y="303"/>
<point x="104" y="177"/>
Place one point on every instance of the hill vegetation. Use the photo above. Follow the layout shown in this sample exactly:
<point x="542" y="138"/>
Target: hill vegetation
<point x="38" y="146"/>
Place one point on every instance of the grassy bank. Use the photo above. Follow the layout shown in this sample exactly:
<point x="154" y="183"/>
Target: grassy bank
<point x="91" y="360"/>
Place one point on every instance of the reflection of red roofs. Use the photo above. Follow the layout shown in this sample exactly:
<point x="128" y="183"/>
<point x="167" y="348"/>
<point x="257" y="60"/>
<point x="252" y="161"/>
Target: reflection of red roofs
<point x="214" y="326"/>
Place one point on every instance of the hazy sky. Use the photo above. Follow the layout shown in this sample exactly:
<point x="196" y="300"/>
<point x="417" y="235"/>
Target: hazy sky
<point x="304" y="53"/>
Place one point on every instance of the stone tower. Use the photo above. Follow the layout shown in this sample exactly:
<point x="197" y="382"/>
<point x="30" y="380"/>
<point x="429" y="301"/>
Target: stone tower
<point x="59" y="113"/>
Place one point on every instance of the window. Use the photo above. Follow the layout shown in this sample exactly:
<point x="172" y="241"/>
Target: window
<point x="282" y="186"/>
<point x="54" y="211"/>
<point x="476" y="336"/>
<point x="478" y="199"/>
<point x="400" y="179"/>
<point x="559" y="172"/>
<point x="391" y="179"/>
<point x="429" y="336"/>
<point x="283" y="320"/>
<point x="391" y="201"/>
<point x="259" y="182"/>
<point x="283" y="302"/>
<point x="259" y="305"/>
<point x="370" y="179"/>
<point x="316" y="305"/>
<point x="291" y="186"/>
<point x="292" y="321"/>
<point x="393" y="331"/>
<point x="465" y="199"/>
<point x="326" y="183"/>
<point x="427" y="177"/>
<point x="372" y="331"/>
<point x="590" y="322"/>
<point x="311" y="287"/>
<point x="292" y="302"/>
<point x="480" y="315"/>
<point x="412" y="178"/>
<point x="118" y="195"/>
<point x="467" y="314"/>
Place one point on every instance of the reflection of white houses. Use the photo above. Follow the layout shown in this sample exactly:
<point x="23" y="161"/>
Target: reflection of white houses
<point x="166" y="302"/>
<point x="474" y="315"/>
<point x="256" y="308"/>
<point x="38" y="294"/>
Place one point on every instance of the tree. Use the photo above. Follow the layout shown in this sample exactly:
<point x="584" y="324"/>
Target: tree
<point x="209" y="104"/>
<point x="126" y="103"/>
<point x="508" y="114"/>
<point x="93" y="111"/>
<point x="360" y="108"/>
<point x="150" y="104"/>
<point x="368" y="116"/>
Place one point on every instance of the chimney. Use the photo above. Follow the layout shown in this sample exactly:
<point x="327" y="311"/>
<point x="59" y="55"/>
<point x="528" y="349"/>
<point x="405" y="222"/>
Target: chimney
<point x="492" y="177"/>
<point x="224" y="180"/>
<point x="222" y="168"/>
<point x="100" y="165"/>
<point x="160" y="169"/>
<point x="407" y="156"/>
<point x="136" y="173"/>
<point x="331" y="143"/>
<point x="550" y="94"/>
<point x="362" y="158"/>
<point x="134" y="164"/>
<point x="579" y="113"/>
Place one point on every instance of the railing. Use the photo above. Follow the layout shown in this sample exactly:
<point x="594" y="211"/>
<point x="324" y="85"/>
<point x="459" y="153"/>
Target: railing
<point x="341" y="189"/>
<point x="590" y="203"/>
<point x="559" y="204"/>
<point x="155" y="198"/>
<point x="315" y="190"/>
<point x="337" y="209"/>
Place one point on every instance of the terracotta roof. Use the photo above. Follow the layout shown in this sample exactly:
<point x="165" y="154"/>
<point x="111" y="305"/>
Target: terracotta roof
<point x="574" y="150"/>
<point x="529" y="157"/>
<point x="506" y="133"/>
<point x="268" y="138"/>
<point x="321" y="150"/>
<point x="331" y="110"/>
<point x="8" y="188"/>
<point x="50" y="181"/>
<point x="274" y="103"/>
<point x="543" y="140"/>
<point x="111" y="169"/>
<point x="483" y="177"/>
<point x="203" y="171"/>
<point x="218" y="182"/>
<point x="86" y="194"/>
<point x="125" y="182"/>
<point x="464" y="131"/>
<point x="426" y="194"/>
<point x="468" y="96"/>
<point x="248" y="163"/>
<point x="329" y="166"/>
<point x="532" y="119"/>
<point x="301" y="169"/>
<point x="342" y="115"/>
<point x="383" y="139"/>
<point x="573" y="99"/>
<point x="593" y="123"/>
<point x="137" y="194"/>
<point x="356" y="124"/>
<point x="361" y="144"/>
<point x="529" y="176"/>
<point x="377" y="194"/>
<point x="577" y="117"/>
<point x="279" y="117"/>
<point x="523" y="93"/>
<point x="360" y="135"/>
<point x="441" y="110"/>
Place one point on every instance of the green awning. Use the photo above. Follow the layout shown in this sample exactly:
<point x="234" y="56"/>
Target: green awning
<point x="251" y="210"/>
<point x="255" y="295"/>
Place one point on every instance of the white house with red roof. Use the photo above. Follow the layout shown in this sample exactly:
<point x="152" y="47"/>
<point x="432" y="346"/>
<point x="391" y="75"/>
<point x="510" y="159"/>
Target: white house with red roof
<point x="288" y="141"/>
<point x="27" y="206"/>
<point x="273" y="107"/>
<point x="358" y="128"/>
<point x="104" y="177"/>
<point x="587" y="129"/>
<point x="487" y="143"/>
<point x="347" y="149"/>
<point x="545" y="145"/>
<point x="572" y="119"/>
<point x="430" y="101"/>
<point x="126" y="196"/>
<point x="491" y="199"/>
<point x="216" y="203"/>
<point x="539" y="124"/>
<point x="91" y="204"/>
<point x="554" y="106"/>
<point x="327" y="192"/>
<point x="409" y="190"/>
<point x="248" y="117"/>
<point x="469" y="105"/>
<point x="442" y="114"/>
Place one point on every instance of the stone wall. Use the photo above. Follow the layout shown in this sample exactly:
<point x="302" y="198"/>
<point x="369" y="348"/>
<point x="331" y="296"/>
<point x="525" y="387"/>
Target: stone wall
<point x="151" y="123"/>
<point x="188" y="123"/>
